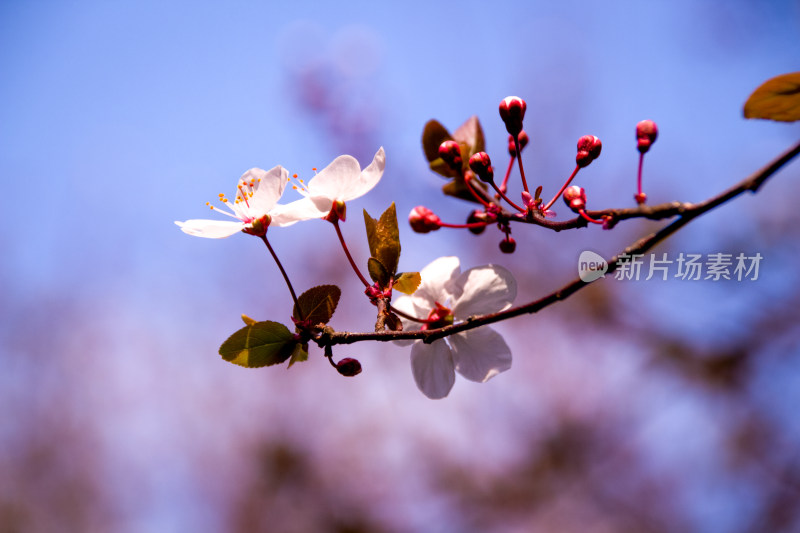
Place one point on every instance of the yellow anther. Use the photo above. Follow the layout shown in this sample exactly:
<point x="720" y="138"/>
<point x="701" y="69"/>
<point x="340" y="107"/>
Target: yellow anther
<point x="294" y="176"/>
<point x="314" y="169"/>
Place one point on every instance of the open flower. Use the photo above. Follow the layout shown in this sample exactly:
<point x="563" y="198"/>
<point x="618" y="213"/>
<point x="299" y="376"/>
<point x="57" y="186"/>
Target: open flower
<point x="341" y="181"/>
<point x="255" y="202"/>
<point x="447" y="295"/>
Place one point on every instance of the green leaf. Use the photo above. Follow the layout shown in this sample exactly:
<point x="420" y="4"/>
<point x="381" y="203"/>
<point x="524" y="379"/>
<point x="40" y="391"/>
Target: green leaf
<point x="299" y="354"/>
<point x="384" y="238"/>
<point x="407" y="282"/>
<point x="538" y="193"/>
<point x="776" y="99"/>
<point x="378" y="272"/>
<point x="318" y="304"/>
<point x="261" y="344"/>
<point x="434" y="135"/>
<point x="470" y="134"/>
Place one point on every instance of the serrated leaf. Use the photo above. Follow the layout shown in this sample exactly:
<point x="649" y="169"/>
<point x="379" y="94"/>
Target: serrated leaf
<point x="407" y="282"/>
<point x="299" y="354"/>
<point x="384" y="238"/>
<point x="261" y="344"/>
<point x="318" y="304"/>
<point x="433" y="135"/>
<point x="470" y="134"/>
<point x="776" y="99"/>
<point x="378" y="272"/>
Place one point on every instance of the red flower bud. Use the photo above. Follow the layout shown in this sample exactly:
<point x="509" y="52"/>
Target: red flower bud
<point x="508" y="245"/>
<point x="523" y="142"/>
<point x="348" y="367"/>
<point x="589" y="148"/>
<point x="481" y="165"/>
<point x="575" y="198"/>
<point x="646" y="133"/>
<point x="512" y="111"/>
<point x="450" y="152"/>
<point x="474" y="218"/>
<point x="423" y="220"/>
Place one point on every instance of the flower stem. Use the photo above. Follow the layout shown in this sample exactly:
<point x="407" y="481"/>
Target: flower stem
<point x="477" y="196"/>
<point x="519" y="160"/>
<point x="639" y="178"/>
<point x="335" y="223"/>
<point x="504" y="185"/>
<point x="407" y="316"/>
<point x="468" y="225"/>
<point x="587" y="218"/>
<point x="563" y="188"/>
<point x="285" y="276"/>
<point x="506" y="198"/>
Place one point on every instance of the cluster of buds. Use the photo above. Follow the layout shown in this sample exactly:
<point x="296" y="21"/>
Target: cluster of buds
<point x="589" y="148"/>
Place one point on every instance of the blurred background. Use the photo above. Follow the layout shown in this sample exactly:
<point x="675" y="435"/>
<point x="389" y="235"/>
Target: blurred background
<point x="653" y="406"/>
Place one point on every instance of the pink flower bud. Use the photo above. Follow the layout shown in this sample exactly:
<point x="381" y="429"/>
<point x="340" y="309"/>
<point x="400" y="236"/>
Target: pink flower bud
<point x="348" y="367"/>
<point x="575" y="198"/>
<point x="523" y="142"/>
<point x="450" y="152"/>
<point x="512" y="111"/>
<point x="589" y="148"/>
<point x="508" y="245"/>
<point x="423" y="220"/>
<point x="481" y="165"/>
<point x="646" y="133"/>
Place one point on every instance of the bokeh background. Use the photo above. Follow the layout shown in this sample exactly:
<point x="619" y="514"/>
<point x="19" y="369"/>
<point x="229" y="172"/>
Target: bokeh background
<point x="634" y="406"/>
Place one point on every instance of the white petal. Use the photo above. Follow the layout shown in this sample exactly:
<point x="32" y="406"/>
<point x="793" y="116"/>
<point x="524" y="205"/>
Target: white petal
<point x="409" y="306"/>
<point x="437" y="279"/>
<point x="303" y="209"/>
<point x="369" y="177"/>
<point x="482" y="290"/>
<point x="270" y="188"/>
<point x="480" y="354"/>
<point x="336" y="179"/>
<point x="212" y="229"/>
<point x="433" y="369"/>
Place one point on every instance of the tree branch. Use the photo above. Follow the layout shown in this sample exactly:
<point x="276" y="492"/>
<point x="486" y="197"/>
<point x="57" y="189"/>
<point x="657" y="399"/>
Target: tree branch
<point x="685" y="211"/>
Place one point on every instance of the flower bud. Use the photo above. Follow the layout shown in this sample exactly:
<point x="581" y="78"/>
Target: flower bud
<point x="575" y="198"/>
<point x="348" y="367"/>
<point x="589" y="148"/>
<point x="508" y="245"/>
<point x="512" y="111"/>
<point x="646" y="133"/>
<point x="423" y="220"/>
<point x="481" y="164"/>
<point x="473" y="218"/>
<point x="450" y="152"/>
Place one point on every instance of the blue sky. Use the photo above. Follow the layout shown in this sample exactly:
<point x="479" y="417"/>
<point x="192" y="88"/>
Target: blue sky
<point x="117" y="118"/>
